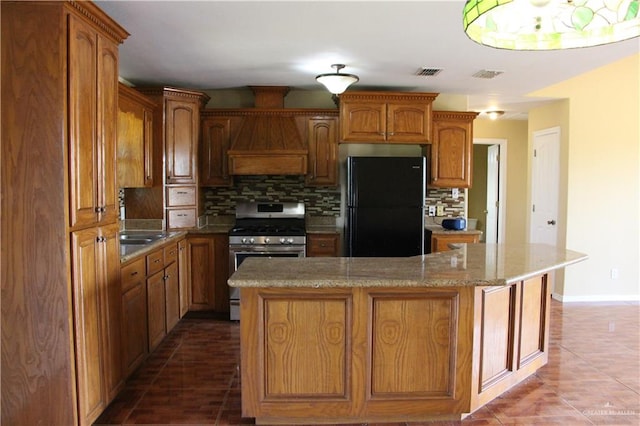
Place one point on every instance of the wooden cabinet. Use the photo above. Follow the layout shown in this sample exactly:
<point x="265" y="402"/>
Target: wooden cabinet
<point x="59" y="79"/>
<point x="184" y="273"/>
<point x="512" y="341"/>
<point x="163" y="293"/>
<point x="134" y="314"/>
<point x="452" y="149"/>
<point x="97" y="319"/>
<point x="209" y="268"/>
<point x="322" y="139"/>
<point x="135" y="139"/>
<point x="214" y="144"/>
<point x="93" y="100"/>
<point x="323" y="245"/>
<point x="386" y="117"/>
<point x="171" y="286"/>
<point x="176" y="130"/>
<point x="440" y="242"/>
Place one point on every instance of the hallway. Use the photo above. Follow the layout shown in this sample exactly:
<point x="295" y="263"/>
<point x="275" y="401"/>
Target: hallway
<point x="592" y="378"/>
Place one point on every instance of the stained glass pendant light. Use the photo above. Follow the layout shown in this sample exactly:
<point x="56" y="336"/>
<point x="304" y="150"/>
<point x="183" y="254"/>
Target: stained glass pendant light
<point x="550" y="24"/>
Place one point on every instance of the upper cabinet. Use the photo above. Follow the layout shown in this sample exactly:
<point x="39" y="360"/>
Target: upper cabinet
<point x="135" y="139"/>
<point x="451" y="149"/>
<point x="93" y="100"/>
<point x="386" y="117"/>
<point x="322" y="138"/>
<point x="215" y="141"/>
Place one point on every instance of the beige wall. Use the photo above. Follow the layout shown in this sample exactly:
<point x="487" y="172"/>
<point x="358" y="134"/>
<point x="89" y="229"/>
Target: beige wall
<point x="600" y="152"/>
<point x="515" y="132"/>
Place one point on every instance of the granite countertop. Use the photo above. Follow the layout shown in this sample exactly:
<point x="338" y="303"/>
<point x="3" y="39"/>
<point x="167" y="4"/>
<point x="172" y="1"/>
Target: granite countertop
<point x="472" y="265"/>
<point x="438" y="229"/>
<point x="131" y="251"/>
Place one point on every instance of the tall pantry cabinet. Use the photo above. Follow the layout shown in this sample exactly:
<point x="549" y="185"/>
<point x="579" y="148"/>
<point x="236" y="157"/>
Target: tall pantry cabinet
<point x="60" y="251"/>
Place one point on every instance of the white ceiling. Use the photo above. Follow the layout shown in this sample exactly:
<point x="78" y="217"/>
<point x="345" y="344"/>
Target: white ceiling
<point x="229" y="44"/>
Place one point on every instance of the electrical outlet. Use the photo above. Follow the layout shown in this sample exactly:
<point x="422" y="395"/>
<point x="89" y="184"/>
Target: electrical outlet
<point x="455" y="193"/>
<point x="614" y="273"/>
<point x="439" y="210"/>
<point x="431" y="211"/>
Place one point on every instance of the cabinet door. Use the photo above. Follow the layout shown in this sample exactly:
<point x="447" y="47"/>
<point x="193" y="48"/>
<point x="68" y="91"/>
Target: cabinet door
<point x="83" y="125"/>
<point x="89" y="343"/>
<point x="107" y="130"/>
<point x="363" y="121"/>
<point x="408" y="123"/>
<point x="134" y="146"/>
<point x="172" y="296"/>
<point x="451" y="151"/>
<point x="184" y="275"/>
<point x="181" y="130"/>
<point x="215" y="142"/>
<point x="323" y="151"/>
<point x="201" y="256"/>
<point x="134" y="315"/>
<point x="156" y="309"/>
<point x="96" y="300"/>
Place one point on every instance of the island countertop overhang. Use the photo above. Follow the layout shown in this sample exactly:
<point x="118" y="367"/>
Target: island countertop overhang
<point x="471" y="265"/>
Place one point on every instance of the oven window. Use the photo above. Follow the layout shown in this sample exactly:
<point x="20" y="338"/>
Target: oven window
<point x="240" y="257"/>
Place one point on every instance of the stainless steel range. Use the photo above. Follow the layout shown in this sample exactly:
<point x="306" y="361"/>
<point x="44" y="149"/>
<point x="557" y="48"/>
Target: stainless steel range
<point x="264" y="230"/>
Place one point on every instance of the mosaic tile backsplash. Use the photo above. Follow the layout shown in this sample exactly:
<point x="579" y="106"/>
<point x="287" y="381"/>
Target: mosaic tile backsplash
<point x="319" y="201"/>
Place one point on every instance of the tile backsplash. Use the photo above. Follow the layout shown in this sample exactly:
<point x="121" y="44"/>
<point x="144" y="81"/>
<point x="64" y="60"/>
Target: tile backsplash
<point x="319" y="201"/>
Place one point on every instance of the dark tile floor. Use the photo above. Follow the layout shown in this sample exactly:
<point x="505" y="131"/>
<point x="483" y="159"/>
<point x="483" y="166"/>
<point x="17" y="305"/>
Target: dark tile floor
<point x="592" y="378"/>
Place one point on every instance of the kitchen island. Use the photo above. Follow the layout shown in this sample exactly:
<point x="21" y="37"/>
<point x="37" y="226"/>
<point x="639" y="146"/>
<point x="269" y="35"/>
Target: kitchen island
<point x="352" y="340"/>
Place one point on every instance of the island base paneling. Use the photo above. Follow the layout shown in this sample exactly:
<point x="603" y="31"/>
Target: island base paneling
<point x="380" y="354"/>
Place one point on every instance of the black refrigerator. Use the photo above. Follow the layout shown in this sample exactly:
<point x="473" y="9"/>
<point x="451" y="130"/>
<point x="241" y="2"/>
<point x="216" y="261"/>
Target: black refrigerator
<point x="385" y="206"/>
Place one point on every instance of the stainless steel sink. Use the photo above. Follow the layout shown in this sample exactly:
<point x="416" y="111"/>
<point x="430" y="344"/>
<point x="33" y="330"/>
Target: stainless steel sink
<point x="139" y="238"/>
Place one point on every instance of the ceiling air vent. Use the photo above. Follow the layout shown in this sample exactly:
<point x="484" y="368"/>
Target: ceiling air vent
<point x="487" y="74"/>
<point x="428" y="72"/>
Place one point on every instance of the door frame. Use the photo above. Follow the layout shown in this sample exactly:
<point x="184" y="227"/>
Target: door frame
<point x="502" y="184"/>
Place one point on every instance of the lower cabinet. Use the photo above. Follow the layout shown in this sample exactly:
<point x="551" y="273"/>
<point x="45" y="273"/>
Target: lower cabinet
<point x="156" y="309"/>
<point x="134" y="315"/>
<point x="97" y="318"/>
<point x="209" y="270"/>
<point x="323" y="245"/>
<point x="440" y="242"/>
<point x="184" y="272"/>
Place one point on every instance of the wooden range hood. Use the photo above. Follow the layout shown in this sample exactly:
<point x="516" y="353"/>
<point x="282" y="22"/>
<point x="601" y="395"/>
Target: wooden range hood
<point x="269" y="141"/>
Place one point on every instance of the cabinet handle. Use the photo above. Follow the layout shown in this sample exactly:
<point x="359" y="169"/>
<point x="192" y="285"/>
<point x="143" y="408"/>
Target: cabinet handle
<point x="172" y="252"/>
<point x="133" y="274"/>
<point x="182" y="192"/>
<point x="181" y="215"/>
<point x="391" y="133"/>
<point x="101" y="209"/>
<point x="156" y="261"/>
<point x="166" y="277"/>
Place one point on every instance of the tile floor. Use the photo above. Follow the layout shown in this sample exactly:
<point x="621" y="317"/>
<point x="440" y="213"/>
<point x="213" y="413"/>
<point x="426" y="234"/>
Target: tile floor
<point x="592" y="378"/>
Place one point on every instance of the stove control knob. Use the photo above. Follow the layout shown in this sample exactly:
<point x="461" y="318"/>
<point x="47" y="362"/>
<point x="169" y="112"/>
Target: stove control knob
<point x="289" y="240"/>
<point x="283" y="241"/>
<point x="252" y="240"/>
<point x="245" y="240"/>
<point x="267" y="240"/>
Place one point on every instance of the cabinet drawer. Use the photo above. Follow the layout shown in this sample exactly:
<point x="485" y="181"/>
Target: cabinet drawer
<point x="132" y="273"/>
<point x="326" y="245"/>
<point x="181" y="196"/>
<point x="181" y="218"/>
<point x="155" y="262"/>
<point x="170" y="254"/>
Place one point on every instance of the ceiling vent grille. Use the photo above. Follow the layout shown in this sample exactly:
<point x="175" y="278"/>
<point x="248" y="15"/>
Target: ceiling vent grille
<point x="428" y="72"/>
<point x="487" y="74"/>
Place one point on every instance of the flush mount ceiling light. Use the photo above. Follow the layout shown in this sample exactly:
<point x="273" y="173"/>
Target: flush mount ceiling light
<point x="550" y="24"/>
<point x="494" y="114"/>
<point x="337" y="83"/>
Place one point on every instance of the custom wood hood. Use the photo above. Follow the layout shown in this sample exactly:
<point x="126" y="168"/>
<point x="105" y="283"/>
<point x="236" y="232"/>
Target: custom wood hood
<point x="269" y="140"/>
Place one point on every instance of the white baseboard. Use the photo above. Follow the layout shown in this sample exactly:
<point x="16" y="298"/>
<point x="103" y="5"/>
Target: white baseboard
<point x="597" y="298"/>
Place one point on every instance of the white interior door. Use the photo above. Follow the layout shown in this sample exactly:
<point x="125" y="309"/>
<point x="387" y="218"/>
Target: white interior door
<point x="545" y="186"/>
<point x="493" y="178"/>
